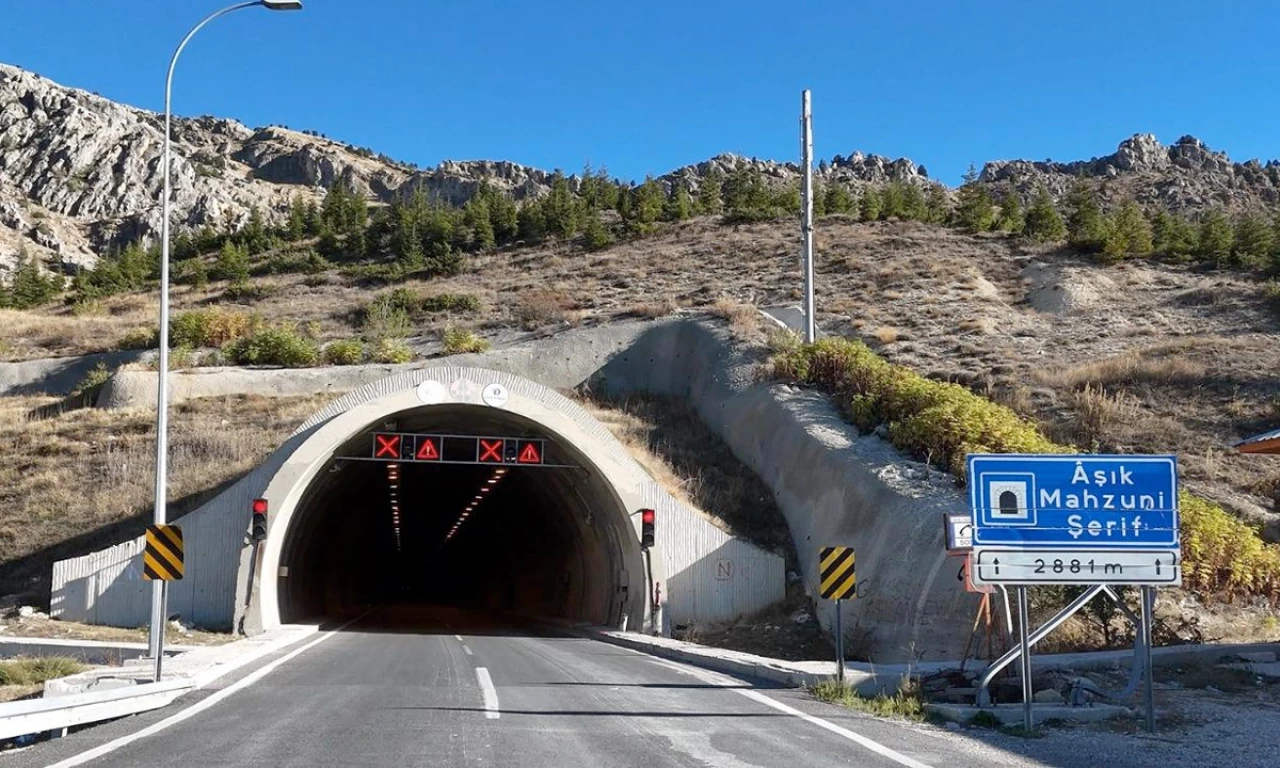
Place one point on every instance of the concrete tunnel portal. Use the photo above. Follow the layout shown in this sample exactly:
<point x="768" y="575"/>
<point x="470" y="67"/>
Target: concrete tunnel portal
<point x="540" y="539"/>
<point x="347" y="529"/>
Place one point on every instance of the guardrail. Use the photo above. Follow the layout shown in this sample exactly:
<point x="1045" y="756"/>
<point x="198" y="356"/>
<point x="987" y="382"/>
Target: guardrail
<point x="20" y="718"/>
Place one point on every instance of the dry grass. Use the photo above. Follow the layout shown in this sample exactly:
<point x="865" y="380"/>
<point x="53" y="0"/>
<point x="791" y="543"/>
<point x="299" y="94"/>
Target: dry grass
<point x="1099" y="413"/>
<point x="744" y="320"/>
<point x="45" y="627"/>
<point x="545" y="306"/>
<point x="652" y="310"/>
<point x="886" y="335"/>
<point x="669" y="440"/>
<point x="1159" y="365"/>
<point x="80" y="473"/>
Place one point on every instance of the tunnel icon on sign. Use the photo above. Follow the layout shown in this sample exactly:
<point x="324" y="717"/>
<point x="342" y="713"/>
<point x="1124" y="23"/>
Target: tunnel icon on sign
<point x="1009" y="501"/>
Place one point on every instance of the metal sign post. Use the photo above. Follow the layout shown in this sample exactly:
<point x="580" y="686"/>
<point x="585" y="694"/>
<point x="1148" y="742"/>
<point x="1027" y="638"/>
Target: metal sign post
<point x="1148" y="618"/>
<point x="839" y="645"/>
<point x="837" y="581"/>
<point x="1094" y="520"/>
<point x="1024" y="642"/>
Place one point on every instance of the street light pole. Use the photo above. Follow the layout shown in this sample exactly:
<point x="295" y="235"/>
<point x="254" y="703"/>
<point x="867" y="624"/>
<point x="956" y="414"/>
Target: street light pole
<point x="162" y="389"/>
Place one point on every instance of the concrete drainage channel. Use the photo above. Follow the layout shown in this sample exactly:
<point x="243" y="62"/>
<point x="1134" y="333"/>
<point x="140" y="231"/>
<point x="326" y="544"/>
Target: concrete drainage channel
<point x="109" y="693"/>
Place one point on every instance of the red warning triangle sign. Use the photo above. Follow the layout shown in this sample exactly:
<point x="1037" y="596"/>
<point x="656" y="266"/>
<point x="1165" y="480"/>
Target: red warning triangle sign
<point x="530" y="454"/>
<point x="427" y="450"/>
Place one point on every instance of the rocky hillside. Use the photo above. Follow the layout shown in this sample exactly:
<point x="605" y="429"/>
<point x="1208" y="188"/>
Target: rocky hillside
<point x="1185" y="177"/>
<point x="79" y="172"/>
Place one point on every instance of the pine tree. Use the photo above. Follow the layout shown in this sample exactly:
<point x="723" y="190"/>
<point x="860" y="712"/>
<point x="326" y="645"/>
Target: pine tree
<point x="531" y="221"/>
<point x="914" y="205"/>
<point x="1172" y="236"/>
<point x="30" y="286"/>
<point x="563" y="210"/>
<point x="504" y="217"/>
<point x="1128" y="233"/>
<point x="937" y="209"/>
<point x="1043" y="223"/>
<point x="892" y="201"/>
<point x="973" y="208"/>
<point x="647" y="204"/>
<point x="1254" y="241"/>
<point x="232" y="264"/>
<point x="837" y="200"/>
<point x="1215" y="238"/>
<point x="709" y="189"/>
<point x="184" y="247"/>
<point x="297" y="228"/>
<point x="1011" y="220"/>
<point x="198" y="273"/>
<point x="1086" y="228"/>
<point x="254" y="234"/>
<point x="680" y="205"/>
<point x="595" y="235"/>
<point x="475" y="217"/>
<point x="315" y="222"/>
<point x="787" y="200"/>
<point x="869" y="206"/>
<point x="133" y="267"/>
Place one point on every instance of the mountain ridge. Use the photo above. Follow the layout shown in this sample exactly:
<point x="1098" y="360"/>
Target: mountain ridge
<point x="80" y="173"/>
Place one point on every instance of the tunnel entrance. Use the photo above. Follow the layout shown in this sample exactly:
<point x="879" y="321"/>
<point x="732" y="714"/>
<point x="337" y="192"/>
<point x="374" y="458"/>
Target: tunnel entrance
<point x="548" y="539"/>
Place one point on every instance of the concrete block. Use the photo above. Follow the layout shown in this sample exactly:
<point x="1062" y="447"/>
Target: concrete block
<point x="1011" y="714"/>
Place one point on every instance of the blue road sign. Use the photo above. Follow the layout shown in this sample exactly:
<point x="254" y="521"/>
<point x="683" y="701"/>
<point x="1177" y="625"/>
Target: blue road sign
<point x="1074" y="501"/>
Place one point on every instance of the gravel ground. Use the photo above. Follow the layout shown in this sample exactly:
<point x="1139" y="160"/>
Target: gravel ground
<point x="1206" y="717"/>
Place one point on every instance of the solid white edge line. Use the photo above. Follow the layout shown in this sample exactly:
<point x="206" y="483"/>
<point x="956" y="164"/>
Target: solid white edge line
<point x="489" y="692"/>
<point x="860" y="740"/>
<point x="467" y="650"/>
<point x="199" y="706"/>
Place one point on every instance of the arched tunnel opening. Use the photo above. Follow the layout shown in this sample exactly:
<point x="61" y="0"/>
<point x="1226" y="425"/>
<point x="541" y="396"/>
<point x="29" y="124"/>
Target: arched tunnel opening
<point x="450" y="526"/>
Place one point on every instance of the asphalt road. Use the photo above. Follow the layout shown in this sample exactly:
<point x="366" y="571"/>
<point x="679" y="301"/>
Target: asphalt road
<point x="467" y="692"/>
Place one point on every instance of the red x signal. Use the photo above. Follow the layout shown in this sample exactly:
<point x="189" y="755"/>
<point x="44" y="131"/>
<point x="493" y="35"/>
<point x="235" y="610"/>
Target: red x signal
<point x="387" y="447"/>
<point x="491" y="451"/>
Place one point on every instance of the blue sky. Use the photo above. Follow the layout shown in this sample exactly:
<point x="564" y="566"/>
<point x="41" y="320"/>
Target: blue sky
<point x="646" y="87"/>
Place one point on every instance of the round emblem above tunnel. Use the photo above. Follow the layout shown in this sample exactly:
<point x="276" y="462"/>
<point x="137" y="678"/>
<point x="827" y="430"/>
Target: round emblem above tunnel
<point x="432" y="392"/>
<point x="495" y="395"/>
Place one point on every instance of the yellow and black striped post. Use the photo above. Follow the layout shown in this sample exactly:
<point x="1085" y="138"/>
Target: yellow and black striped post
<point x="162" y="559"/>
<point x="837" y="581"/>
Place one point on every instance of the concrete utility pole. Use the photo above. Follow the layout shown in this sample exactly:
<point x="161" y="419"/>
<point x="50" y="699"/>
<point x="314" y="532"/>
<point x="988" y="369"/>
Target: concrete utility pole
<point x="806" y="208"/>
<point x="156" y="636"/>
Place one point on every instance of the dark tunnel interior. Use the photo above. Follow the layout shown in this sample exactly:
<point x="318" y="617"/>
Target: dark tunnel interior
<point x="532" y="541"/>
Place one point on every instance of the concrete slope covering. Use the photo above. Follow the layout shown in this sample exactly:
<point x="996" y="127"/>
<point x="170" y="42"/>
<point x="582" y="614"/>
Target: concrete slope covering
<point x="834" y="487"/>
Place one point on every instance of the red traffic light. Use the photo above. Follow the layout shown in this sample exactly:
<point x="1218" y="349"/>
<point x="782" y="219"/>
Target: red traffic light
<point x="646" y="516"/>
<point x="259" y="506"/>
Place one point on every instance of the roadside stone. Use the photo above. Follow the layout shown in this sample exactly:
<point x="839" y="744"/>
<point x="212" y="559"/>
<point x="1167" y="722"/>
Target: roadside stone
<point x="1048" y="696"/>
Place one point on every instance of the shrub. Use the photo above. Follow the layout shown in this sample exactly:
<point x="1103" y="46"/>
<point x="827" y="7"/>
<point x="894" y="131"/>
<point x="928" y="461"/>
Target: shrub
<point x="273" y="346"/>
<point x="450" y="302"/>
<point x="248" y="292"/>
<point x="139" y="338"/>
<point x="391" y="352"/>
<point x="93" y="381"/>
<point x="209" y="327"/>
<point x="460" y="340"/>
<point x="344" y="352"/>
<point x="941" y="423"/>
<point x="36" y="671"/>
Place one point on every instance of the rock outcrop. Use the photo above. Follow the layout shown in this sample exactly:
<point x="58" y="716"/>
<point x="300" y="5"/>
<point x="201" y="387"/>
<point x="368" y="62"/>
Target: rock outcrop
<point x="1186" y="176"/>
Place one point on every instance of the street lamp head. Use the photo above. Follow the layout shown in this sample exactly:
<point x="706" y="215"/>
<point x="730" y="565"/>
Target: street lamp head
<point x="283" y="5"/>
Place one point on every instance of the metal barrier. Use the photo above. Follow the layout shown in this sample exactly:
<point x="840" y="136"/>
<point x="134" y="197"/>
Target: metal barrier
<point x="20" y="718"/>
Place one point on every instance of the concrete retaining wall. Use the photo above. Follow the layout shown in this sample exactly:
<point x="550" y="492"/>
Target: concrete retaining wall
<point x="834" y="486"/>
